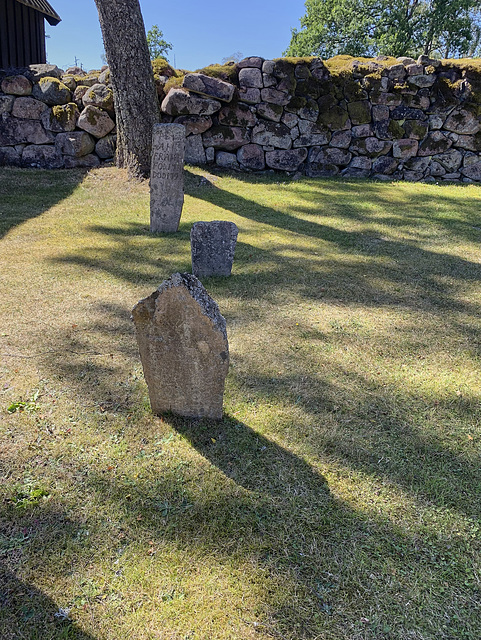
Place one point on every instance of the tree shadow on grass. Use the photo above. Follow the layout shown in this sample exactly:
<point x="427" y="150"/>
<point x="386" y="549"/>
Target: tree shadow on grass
<point x="26" y="194"/>
<point x="26" y="612"/>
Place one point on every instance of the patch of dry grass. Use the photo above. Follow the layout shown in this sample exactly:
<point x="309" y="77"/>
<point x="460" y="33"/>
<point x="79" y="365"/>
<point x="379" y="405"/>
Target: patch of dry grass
<point x="340" y="495"/>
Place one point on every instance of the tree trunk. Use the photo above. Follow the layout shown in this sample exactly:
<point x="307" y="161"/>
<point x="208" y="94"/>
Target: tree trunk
<point x="136" y="103"/>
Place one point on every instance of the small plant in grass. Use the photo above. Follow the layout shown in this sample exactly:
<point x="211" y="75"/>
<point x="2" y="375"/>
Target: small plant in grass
<point x="29" y="406"/>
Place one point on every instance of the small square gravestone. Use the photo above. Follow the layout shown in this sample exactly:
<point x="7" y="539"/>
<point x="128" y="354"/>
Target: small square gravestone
<point x="212" y="247"/>
<point x="167" y="177"/>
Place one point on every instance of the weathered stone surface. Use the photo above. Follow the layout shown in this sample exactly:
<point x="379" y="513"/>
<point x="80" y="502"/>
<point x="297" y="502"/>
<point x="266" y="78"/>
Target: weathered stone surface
<point x="106" y="147"/>
<point x="422" y="81"/>
<point x="405" y="60"/>
<point x="251" y="156"/>
<point x="371" y="146"/>
<point x="39" y="71"/>
<point x="17" y="85"/>
<point x="416" y="129"/>
<point x="435" y="122"/>
<point x="6" y="104"/>
<point x="451" y="160"/>
<point x="272" y="134"/>
<point x="362" y="131"/>
<point x="194" y="124"/>
<point x="414" y="69"/>
<point x="51" y="91"/>
<point x="69" y="82"/>
<point x="179" y="102"/>
<point x="237" y="116"/>
<point x="413" y="176"/>
<point x="183" y="346"/>
<point x="468" y="143"/>
<point x="251" y="77"/>
<point x="250" y="95"/>
<point x="473" y="171"/>
<point x="210" y="87"/>
<point x="286" y="160"/>
<point x="227" y="160"/>
<point x="341" y="139"/>
<point x="213" y="247"/>
<point x="311" y="135"/>
<point x="385" y="165"/>
<point x="463" y="121"/>
<point x="405" y="148"/>
<point x="78" y="95"/>
<point x="75" y="71"/>
<point x="9" y="156"/>
<point x="209" y="154"/>
<point x="327" y="155"/>
<point x="269" y="80"/>
<point x="167" y="177"/>
<point x="426" y="61"/>
<point x="417" y="164"/>
<point x="99" y="95"/>
<point x="20" y="130"/>
<point x="42" y="156"/>
<point x="309" y="112"/>
<point x="436" y="170"/>
<point x="194" y="150"/>
<point x="255" y="62"/>
<point x="380" y="112"/>
<point x="386" y="98"/>
<point x="394" y="72"/>
<point x="28" y="108"/>
<point x="226" y="138"/>
<point x="290" y="119"/>
<point x="61" y="118"/>
<point x="95" y="121"/>
<point x="75" y="144"/>
<point x="274" y="96"/>
<point x="435" y="142"/>
<point x="270" y="111"/>
<point x="360" y="111"/>
<point x="403" y="112"/>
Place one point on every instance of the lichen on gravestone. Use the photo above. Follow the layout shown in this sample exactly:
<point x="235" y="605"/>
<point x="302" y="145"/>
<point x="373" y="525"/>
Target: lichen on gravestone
<point x="183" y="346"/>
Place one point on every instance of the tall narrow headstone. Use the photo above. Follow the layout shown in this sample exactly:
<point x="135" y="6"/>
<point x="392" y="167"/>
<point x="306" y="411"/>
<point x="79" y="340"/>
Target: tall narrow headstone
<point x="212" y="246"/>
<point x="167" y="177"/>
<point x="183" y="346"/>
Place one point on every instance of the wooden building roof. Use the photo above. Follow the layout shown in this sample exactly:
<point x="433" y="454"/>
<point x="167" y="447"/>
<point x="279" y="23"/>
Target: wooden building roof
<point x="44" y="7"/>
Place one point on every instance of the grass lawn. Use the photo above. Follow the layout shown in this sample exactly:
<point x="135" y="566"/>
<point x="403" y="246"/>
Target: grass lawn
<point x="340" y="496"/>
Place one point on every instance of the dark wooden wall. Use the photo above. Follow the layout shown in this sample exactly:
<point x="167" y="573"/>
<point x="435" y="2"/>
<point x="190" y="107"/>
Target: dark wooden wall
<point x="22" y="35"/>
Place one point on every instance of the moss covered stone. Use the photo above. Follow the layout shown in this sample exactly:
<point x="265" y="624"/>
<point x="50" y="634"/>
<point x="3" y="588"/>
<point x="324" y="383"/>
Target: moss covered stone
<point x="395" y="129"/>
<point x="360" y="112"/>
<point x="336" y="118"/>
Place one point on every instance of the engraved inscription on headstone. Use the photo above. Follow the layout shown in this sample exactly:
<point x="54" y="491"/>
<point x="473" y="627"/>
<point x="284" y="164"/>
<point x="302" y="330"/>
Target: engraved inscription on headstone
<point x="212" y="247"/>
<point x="183" y="346"/>
<point x="167" y="177"/>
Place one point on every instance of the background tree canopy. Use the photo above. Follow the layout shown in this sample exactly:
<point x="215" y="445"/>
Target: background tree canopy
<point x="158" y="47"/>
<point x="443" y="28"/>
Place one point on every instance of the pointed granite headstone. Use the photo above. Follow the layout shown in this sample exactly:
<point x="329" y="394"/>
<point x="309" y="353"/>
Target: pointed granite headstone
<point x="183" y="346"/>
<point x="167" y="177"/>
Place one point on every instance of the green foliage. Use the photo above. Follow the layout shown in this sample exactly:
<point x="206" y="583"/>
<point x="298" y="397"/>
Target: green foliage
<point x="158" y="47"/>
<point x="29" y="406"/>
<point x="400" y="27"/>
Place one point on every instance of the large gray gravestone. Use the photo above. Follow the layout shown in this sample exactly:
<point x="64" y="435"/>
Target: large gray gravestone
<point x="167" y="177"/>
<point x="183" y="346"/>
<point x="212" y="247"/>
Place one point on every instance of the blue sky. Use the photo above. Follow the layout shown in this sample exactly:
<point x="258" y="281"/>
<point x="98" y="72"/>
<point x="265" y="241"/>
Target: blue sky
<point x="201" y="32"/>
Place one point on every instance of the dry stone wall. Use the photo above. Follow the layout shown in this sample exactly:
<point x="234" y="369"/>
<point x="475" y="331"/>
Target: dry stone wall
<point x="389" y="119"/>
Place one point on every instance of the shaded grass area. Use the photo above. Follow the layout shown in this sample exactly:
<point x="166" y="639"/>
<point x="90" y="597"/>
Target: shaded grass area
<point x="340" y="495"/>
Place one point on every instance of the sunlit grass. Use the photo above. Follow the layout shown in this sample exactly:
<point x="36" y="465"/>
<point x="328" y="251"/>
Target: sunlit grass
<point x="339" y="497"/>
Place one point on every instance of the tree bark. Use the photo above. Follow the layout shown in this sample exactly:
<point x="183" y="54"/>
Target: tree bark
<point x="132" y="79"/>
